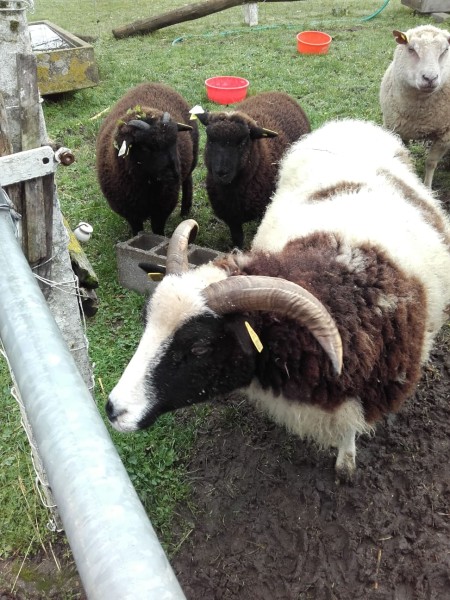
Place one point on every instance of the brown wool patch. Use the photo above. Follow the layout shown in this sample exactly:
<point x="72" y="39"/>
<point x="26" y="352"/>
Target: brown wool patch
<point x="380" y="312"/>
<point x="344" y="187"/>
<point x="429" y="212"/>
<point x="228" y="264"/>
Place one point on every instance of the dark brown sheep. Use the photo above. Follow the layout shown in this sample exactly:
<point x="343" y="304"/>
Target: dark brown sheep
<point x="145" y="153"/>
<point x="242" y="154"/>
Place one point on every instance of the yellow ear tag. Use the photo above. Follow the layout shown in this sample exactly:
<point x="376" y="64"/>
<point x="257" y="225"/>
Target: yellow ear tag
<point x="196" y="110"/>
<point x="155" y="276"/>
<point x="254" y="337"/>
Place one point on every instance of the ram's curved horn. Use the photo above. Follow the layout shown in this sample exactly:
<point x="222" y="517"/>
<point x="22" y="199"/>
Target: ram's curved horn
<point x="177" y="259"/>
<point x="139" y="124"/>
<point x="273" y="294"/>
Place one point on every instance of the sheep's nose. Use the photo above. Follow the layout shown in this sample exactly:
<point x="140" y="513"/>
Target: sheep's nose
<point x="223" y="175"/>
<point x="430" y="79"/>
<point x="111" y="412"/>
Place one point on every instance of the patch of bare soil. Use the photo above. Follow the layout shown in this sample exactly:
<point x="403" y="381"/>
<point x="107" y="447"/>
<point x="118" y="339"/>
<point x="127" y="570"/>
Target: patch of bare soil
<point x="50" y="575"/>
<point x="267" y="521"/>
<point x="272" y="524"/>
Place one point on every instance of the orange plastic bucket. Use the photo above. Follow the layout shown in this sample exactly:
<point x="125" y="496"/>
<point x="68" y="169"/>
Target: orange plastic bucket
<point x="313" y="42"/>
<point x="226" y="90"/>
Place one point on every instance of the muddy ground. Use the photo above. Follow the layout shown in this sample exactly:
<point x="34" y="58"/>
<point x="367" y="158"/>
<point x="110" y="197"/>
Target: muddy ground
<point x="267" y="520"/>
<point x="271" y="523"/>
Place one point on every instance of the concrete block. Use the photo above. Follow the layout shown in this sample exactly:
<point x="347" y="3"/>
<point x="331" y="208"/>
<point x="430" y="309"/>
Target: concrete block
<point x="151" y="248"/>
<point x="440" y="17"/>
<point x="428" y="6"/>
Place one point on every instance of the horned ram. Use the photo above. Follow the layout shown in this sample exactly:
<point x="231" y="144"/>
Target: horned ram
<point x="326" y="322"/>
<point x="146" y="152"/>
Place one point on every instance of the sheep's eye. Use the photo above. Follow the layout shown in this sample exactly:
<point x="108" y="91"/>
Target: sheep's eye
<point x="411" y="50"/>
<point x="445" y="51"/>
<point x="200" y="348"/>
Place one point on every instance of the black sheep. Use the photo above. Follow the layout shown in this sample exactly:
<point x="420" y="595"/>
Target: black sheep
<point x="242" y="153"/>
<point x="145" y="153"/>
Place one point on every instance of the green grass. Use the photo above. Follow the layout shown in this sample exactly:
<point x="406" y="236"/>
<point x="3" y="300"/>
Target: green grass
<point x="343" y="83"/>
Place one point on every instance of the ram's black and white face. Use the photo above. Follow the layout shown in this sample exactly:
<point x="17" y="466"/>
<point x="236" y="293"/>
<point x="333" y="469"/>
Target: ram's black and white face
<point x="186" y="355"/>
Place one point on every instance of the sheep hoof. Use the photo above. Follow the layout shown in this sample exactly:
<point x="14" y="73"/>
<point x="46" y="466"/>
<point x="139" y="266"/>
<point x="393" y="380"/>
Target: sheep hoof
<point x="345" y="468"/>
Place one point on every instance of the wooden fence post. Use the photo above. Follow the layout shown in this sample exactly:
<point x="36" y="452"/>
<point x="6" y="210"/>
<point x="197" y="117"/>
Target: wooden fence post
<point x="37" y="198"/>
<point x="23" y="128"/>
<point x="250" y="13"/>
<point x="14" y="191"/>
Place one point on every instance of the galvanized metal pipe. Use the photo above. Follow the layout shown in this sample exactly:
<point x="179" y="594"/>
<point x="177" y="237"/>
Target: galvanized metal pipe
<point x="117" y="552"/>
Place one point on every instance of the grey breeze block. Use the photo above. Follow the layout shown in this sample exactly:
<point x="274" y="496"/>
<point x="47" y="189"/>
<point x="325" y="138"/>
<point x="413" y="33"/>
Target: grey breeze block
<point x="151" y="248"/>
<point x="428" y="6"/>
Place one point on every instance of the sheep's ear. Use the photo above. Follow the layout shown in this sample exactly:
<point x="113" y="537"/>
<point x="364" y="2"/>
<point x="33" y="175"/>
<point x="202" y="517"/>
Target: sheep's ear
<point x="124" y="148"/>
<point x="239" y="328"/>
<point x="199" y="113"/>
<point x="203" y="118"/>
<point x="154" y="272"/>
<point x="183" y="127"/>
<point x="152" y="267"/>
<point x="257" y="133"/>
<point x="400" y="37"/>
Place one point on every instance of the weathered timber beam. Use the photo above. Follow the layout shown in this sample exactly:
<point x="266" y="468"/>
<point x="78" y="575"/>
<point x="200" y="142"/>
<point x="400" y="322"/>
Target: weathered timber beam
<point x="180" y="15"/>
<point x="5" y="141"/>
<point x="37" y="199"/>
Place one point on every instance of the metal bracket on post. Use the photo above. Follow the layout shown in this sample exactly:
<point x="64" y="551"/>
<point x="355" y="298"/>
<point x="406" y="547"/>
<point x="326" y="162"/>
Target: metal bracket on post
<point x="29" y="164"/>
<point x="35" y="169"/>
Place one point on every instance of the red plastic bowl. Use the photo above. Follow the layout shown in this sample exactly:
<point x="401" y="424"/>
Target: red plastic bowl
<point x="313" y="42"/>
<point x="226" y="90"/>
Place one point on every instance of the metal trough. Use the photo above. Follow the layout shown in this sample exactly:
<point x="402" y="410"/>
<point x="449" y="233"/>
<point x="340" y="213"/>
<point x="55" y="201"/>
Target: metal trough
<point x="65" y="62"/>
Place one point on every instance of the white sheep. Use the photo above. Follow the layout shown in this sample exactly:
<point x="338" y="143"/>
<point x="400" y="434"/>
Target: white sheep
<point x="325" y="323"/>
<point x="415" y="91"/>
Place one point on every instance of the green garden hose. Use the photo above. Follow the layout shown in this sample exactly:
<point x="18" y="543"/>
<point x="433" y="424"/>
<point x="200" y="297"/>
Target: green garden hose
<point x="377" y="12"/>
